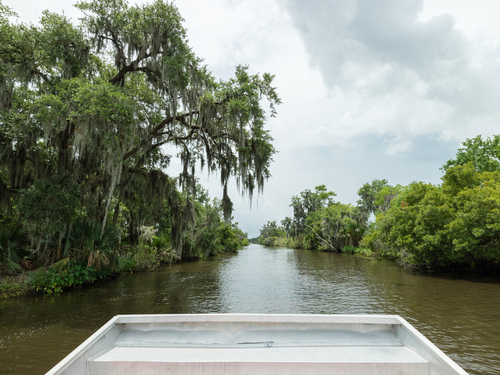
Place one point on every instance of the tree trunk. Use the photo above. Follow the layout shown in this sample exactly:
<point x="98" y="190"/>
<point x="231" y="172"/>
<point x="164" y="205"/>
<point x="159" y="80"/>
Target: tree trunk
<point x="116" y="214"/>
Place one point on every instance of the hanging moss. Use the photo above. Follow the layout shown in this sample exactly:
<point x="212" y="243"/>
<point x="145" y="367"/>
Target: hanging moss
<point x="98" y="101"/>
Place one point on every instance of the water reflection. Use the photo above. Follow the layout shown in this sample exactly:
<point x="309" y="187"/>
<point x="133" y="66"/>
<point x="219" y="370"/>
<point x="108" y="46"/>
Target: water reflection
<point x="462" y="317"/>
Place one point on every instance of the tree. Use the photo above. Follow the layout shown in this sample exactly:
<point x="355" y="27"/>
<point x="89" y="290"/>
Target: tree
<point x="334" y="227"/>
<point x="483" y="154"/>
<point x="269" y="233"/>
<point x="307" y="203"/>
<point x="271" y="229"/>
<point x="98" y="101"/>
<point x="385" y="196"/>
<point x="368" y="195"/>
<point x="286" y="223"/>
<point x="452" y="224"/>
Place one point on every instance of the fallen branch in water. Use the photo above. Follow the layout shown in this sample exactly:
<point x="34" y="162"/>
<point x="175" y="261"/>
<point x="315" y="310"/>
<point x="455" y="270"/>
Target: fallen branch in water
<point x="322" y="239"/>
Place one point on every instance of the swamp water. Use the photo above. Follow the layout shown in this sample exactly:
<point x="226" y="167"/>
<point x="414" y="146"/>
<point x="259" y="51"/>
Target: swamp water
<point x="461" y="316"/>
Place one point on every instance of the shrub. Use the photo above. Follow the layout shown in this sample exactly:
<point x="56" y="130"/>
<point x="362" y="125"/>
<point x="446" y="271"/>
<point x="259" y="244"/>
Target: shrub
<point x="14" y="288"/>
<point x="55" y="279"/>
<point x="145" y="258"/>
<point x="97" y="247"/>
<point x="10" y="251"/>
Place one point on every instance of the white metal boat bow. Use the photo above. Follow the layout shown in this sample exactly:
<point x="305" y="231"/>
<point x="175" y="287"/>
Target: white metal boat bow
<point x="243" y="344"/>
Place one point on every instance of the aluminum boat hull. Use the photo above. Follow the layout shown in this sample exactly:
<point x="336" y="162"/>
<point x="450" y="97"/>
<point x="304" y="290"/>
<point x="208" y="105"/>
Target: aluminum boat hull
<point x="244" y="344"/>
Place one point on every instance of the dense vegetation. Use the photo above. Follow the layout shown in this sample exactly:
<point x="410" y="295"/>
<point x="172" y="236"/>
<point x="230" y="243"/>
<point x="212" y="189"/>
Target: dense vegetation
<point x="318" y="223"/>
<point x="454" y="224"/>
<point x="85" y="114"/>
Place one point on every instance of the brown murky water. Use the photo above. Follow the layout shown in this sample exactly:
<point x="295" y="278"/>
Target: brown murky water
<point x="461" y="316"/>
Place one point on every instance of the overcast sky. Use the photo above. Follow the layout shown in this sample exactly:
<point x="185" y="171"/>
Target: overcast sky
<point x="370" y="89"/>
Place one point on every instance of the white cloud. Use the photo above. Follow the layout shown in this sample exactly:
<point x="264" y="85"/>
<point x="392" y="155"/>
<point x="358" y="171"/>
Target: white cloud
<point x="394" y="74"/>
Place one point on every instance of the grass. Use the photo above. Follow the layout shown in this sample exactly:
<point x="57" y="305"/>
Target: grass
<point x="15" y="286"/>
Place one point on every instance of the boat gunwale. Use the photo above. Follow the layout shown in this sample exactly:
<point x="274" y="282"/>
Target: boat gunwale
<point x="80" y="349"/>
<point x="426" y="343"/>
<point x="261" y="318"/>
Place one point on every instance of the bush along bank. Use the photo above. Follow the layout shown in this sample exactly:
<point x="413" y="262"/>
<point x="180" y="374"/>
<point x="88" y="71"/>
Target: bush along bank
<point x="15" y="286"/>
<point x="87" y="254"/>
<point x="450" y="226"/>
<point x="71" y="273"/>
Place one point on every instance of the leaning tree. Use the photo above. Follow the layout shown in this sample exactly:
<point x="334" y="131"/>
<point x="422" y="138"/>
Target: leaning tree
<point x="87" y="110"/>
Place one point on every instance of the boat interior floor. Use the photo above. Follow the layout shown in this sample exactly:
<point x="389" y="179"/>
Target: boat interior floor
<point x="234" y="349"/>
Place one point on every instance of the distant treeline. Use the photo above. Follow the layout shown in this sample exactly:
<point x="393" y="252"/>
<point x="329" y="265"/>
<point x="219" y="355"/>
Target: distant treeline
<point x="454" y="224"/>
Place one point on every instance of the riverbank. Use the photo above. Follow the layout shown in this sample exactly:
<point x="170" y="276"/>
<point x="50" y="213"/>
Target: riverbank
<point x="291" y="243"/>
<point x="12" y="286"/>
<point x="49" y="280"/>
<point x="403" y="259"/>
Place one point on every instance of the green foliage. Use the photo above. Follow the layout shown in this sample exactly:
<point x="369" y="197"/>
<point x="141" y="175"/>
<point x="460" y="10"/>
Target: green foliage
<point x="11" y="288"/>
<point x="385" y="196"/>
<point x="307" y="203"/>
<point x="85" y="110"/>
<point x="335" y="226"/>
<point x="483" y="154"/>
<point x="368" y="195"/>
<point x="55" y="280"/>
<point x="475" y="230"/>
<point x="452" y="224"/>
<point x="349" y="249"/>
<point x="145" y="258"/>
<point x="49" y="205"/>
<point x="270" y="233"/>
<point x="376" y="196"/>
<point x="228" y="239"/>
<point x="420" y="224"/>
<point x="203" y="239"/>
<point x="211" y="235"/>
<point x="10" y="249"/>
<point x="161" y="241"/>
<point x="287" y="225"/>
<point x="318" y="223"/>
<point x="97" y="247"/>
<point x="376" y="242"/>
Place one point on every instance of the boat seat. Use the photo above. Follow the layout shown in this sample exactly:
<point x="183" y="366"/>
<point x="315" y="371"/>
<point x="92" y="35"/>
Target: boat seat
<point x="241" y="352"/>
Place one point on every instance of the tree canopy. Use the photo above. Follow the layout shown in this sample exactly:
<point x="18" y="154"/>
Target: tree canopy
<point x="484" y="154"/>
<point x="306" y="203"/>
<point x="91" y="106"/>
<point x="452" y="224"/>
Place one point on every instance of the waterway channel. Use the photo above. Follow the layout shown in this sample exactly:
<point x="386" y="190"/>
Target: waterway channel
<point x="461" y="316"/>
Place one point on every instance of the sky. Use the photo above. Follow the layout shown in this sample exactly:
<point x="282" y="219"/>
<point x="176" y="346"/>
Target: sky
<point x="370" y="89"/>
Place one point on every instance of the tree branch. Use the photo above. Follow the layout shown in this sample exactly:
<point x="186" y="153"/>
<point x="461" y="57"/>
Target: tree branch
<point x="132" y="67"/>
<point x="162" y="124"/>
<point x="138" y="171"/>
<point x="153" y="133"/>
<point x="94" y="180"/>
<point x="322" y="239"/>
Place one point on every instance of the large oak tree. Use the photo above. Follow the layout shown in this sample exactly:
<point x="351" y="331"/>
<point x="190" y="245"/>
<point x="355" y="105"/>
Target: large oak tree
<point x="92" y="105"/>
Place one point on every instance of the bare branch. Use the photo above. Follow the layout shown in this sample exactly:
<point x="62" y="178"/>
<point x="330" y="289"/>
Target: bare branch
<point x="322" y="239"/>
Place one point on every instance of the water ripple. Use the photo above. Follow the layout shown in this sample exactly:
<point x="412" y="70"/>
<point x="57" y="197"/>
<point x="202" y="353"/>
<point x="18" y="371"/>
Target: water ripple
<point x="462" y="317"/>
